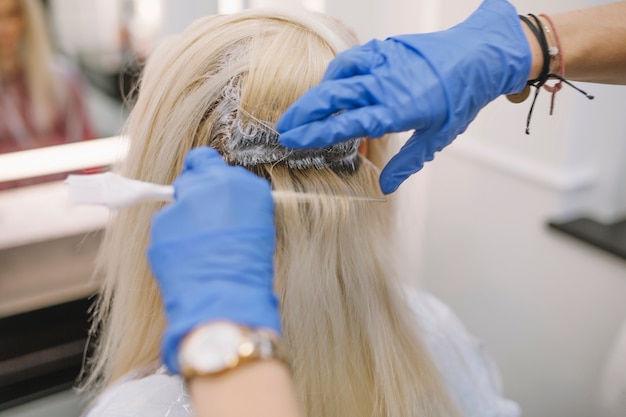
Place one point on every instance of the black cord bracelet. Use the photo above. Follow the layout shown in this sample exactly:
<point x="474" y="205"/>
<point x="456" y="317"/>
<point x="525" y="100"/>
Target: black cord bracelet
<point x="543" y="42"/>
<point x="545" y="74"/>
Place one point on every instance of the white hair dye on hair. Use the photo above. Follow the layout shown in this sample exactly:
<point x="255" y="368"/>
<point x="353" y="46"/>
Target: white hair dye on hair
<point x="249" y="142"/>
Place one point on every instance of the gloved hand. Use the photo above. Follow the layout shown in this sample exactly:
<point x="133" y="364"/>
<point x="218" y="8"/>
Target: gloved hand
<point x="433" y="83"/>
<point x="212" y="249"/>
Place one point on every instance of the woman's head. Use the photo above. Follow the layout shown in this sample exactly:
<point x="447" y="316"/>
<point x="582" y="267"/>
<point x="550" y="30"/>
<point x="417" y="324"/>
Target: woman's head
<point x="224" y="83"/>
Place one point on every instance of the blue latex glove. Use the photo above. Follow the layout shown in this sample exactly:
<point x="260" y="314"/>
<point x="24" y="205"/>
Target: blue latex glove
<point x="212" y="250"/>
<point x="433" y="83"/>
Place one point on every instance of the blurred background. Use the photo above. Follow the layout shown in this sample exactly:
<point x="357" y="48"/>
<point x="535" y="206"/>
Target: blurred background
<point x="524" y="236"/>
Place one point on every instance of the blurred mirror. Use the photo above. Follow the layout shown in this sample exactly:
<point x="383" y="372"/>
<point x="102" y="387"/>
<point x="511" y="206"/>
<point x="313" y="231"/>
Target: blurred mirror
<point x="43" y="101"/>
<point x="68" y="67"/>
<point x="49" y="94"/>
<point x="108" y="40"/>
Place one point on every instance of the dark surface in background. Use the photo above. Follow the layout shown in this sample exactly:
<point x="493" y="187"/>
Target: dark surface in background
<point x="41" y="351"/>
<point x="119" y="85"/>
<point x="608" y="237"/>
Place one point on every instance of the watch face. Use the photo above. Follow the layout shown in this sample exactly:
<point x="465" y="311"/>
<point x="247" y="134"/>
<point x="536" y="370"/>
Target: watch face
<point x="214" y="349"/>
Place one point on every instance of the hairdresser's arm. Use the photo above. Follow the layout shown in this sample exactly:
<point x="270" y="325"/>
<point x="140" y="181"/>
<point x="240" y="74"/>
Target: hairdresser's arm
<point x="433" y="84"/>
<point x="211" y="251"/>
<point x="259" y="389"/>
<point x="594" y="43"/>
<point x="436" y="83"/>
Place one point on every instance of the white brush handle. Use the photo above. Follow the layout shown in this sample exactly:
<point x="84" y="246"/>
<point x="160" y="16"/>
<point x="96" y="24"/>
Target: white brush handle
<point x="156" y="192"/>
<point x="115" y="191"/>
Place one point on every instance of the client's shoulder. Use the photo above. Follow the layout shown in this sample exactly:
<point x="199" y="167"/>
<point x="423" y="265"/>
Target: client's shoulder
<point x="470" y="374"/>
<point x="432" y="313"/>
<point x="158" y="394"/>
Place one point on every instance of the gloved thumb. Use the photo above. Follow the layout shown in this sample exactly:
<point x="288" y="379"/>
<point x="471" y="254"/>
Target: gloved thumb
<point x="410" y="159"/>
<point x="200" y="163"/>
<point x="201" y="158"/>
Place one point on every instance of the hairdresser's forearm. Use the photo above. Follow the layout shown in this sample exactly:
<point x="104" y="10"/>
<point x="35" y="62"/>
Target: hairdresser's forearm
<point x="261" y="389"/>
<point x="593" y="43"/>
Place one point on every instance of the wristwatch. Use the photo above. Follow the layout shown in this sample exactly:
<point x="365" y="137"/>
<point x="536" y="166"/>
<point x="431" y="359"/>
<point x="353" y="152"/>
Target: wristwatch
<point x="219" y="346"/>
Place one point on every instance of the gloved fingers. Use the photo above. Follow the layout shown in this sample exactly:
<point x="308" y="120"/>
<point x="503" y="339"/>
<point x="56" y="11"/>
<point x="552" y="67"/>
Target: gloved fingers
<point x="201" y="158"/>
<point x="328" y="98"/>
<point x="406" y="162"/>
<point x="358" y="60"/>
<point x="212" y="195"/>
<point x="373" y="121"/>
<point x="204" y="159"/>
<point x="206" y="170"/>
<point x="188" y="218"/>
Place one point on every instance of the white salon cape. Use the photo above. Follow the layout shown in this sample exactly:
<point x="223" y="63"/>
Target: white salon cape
<point x="470" y="375"/>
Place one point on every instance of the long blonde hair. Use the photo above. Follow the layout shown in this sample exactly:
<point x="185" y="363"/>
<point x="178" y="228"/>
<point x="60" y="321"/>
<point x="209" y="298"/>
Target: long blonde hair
<point x="37" y="59"/>
<point x="353" y="344"/>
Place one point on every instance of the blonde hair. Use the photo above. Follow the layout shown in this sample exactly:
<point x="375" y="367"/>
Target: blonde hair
<point x="353" y="344"/>
<point x="43" y="80"/>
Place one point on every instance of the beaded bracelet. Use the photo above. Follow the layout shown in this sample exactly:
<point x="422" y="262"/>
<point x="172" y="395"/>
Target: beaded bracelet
<point x="547" y="52"/>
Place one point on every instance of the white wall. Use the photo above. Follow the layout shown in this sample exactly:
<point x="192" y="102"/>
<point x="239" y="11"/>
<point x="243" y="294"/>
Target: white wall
<point x="178" y="14"/>
<point x="547" y="306"/>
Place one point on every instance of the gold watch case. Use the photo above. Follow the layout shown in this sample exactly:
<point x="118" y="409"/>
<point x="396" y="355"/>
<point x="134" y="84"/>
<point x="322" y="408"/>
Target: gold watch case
<point x="217" y="347"/>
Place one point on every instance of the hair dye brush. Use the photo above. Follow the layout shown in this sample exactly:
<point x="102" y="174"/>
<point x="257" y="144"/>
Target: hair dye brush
<point x="114" y="191"/>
